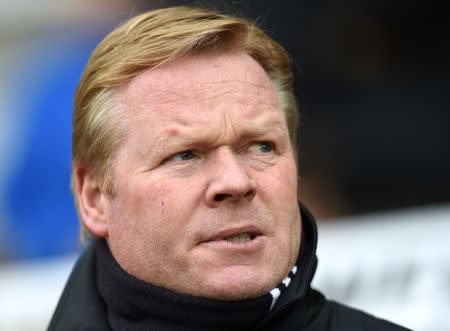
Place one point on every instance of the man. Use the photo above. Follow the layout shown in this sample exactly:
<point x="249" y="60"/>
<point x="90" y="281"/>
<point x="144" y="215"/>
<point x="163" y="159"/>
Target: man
<point x="184" y="174"/>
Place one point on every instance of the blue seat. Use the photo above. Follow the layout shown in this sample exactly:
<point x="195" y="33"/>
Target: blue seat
<point x="42" y="219"/>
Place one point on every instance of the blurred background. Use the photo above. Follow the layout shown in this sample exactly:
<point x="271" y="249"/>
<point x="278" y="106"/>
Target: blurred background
<point x="372" y="80"/>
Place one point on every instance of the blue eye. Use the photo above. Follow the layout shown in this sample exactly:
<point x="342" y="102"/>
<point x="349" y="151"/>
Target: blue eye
<point x="184" y="156"/>
<point x="265" y="147"/>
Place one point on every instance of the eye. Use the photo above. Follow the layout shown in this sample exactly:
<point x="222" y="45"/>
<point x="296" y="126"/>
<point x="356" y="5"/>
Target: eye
<point x="183" y="156"/>
<point x="263" y="147"/>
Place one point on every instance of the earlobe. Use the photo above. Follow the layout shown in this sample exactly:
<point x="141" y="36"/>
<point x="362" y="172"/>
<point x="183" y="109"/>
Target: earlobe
<point x="92" y="201"/>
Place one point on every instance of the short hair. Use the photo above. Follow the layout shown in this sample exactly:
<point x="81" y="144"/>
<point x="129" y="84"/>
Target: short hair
<point x="150" y="40"/>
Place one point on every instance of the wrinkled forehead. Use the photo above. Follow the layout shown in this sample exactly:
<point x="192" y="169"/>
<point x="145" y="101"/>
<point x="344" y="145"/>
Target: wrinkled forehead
<point x="203" y="80"/>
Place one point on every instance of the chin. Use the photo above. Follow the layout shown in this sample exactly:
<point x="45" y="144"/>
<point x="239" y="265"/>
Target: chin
<point x="241" y="286"/>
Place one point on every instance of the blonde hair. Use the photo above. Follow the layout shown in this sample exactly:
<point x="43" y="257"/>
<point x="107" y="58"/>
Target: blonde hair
<point x="150" y="40"/>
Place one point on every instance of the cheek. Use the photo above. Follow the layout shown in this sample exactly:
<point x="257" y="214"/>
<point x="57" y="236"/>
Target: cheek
<point x="141" y="222"/>
<point x="158" y="206"/>
<point x="150" y="199"/>
<point x="278" y="190"/>
<point x="282" y="181"/>
<point x="137" y="206"/>
<point x="291" y="177"/>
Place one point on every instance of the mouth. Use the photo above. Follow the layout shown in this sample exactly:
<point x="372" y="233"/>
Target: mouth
<point x="237" y="235"/>
<point x="241" y="238"/>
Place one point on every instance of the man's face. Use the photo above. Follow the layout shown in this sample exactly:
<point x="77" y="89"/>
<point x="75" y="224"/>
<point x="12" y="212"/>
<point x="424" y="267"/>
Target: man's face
<point x="206" y="180"/>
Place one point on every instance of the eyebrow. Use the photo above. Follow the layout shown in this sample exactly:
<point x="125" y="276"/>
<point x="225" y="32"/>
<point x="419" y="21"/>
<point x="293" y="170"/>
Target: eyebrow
<point x="261" y="130"/>
<point x="178" y="136"/>
<point x="187" y="139"/>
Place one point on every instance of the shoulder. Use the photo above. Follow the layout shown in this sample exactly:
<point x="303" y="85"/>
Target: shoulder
<point x="336" y="316"/>
<point x="80" y="306"/>
<point x="316" y="313"/>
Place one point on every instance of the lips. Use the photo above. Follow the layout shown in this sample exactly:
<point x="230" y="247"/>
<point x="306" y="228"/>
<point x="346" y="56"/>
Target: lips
<point x="236" y="235"/>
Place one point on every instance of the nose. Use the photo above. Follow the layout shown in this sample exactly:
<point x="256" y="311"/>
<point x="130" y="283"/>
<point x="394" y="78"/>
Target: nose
<point x="230" y="181"/>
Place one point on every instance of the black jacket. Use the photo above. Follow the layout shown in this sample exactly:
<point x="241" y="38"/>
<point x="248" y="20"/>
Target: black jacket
<point x="132" y="304"/>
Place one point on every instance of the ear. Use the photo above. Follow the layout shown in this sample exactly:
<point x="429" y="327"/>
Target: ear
<point x="92" y="201"/>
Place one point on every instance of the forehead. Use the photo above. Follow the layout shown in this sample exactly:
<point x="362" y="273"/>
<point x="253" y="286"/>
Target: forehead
<point x="204" y="81"/>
